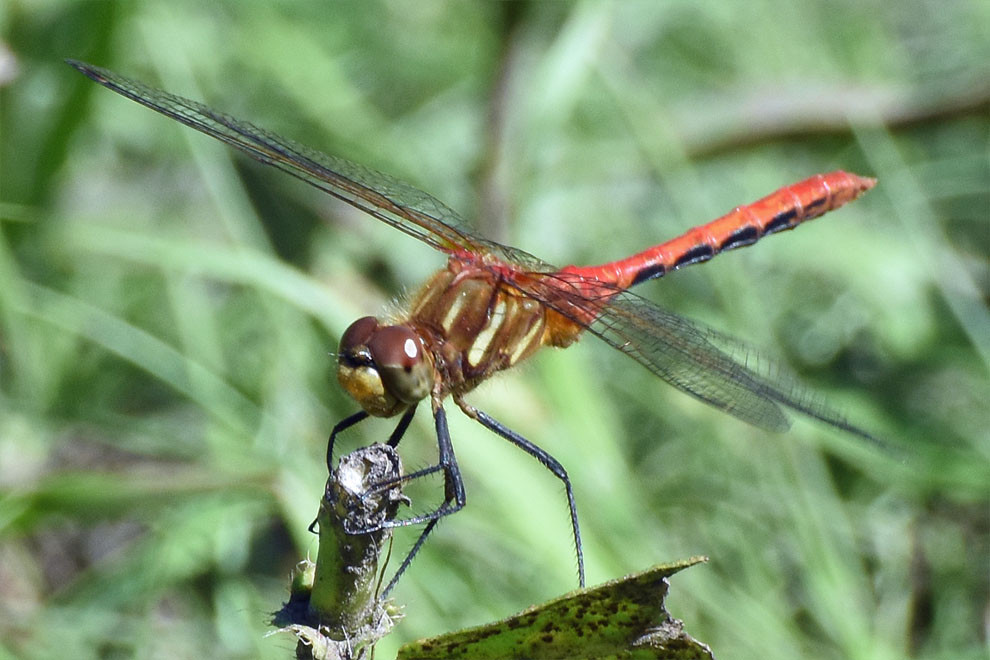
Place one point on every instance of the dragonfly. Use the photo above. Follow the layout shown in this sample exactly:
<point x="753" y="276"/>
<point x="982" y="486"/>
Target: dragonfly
<point x="493" y="306"/>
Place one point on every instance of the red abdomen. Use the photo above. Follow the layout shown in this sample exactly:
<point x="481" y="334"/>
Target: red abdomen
<point x="781" y="210"/>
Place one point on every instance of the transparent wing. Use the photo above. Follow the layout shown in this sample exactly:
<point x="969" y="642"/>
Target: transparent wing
<point x="698" y="360"/>
<point x="702" y="362"/>
<point x="392" y="201"/>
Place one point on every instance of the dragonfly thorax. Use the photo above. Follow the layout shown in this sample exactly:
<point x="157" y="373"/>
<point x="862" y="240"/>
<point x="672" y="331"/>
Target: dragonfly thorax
<point x="475" y="323"/>
<point x="383" y="367"/>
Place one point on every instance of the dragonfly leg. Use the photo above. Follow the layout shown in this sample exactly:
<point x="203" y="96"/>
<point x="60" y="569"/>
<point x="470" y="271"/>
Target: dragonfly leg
<point x="453" y="499"/>
<point x="409" y="557"/>
<point x="344" y="424"/>
<point x="453" y="492"/>
<point x="400" y="429"/>
<point x="340" y="427"/>
<point x="548" y="461"/>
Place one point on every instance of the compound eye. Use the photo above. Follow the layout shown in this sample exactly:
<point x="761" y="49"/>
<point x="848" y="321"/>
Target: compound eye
<point x="395" y="346"/>
<point x="358" y="374"/>
<point x="355" y="340"/>
<point x="398" y="353"/>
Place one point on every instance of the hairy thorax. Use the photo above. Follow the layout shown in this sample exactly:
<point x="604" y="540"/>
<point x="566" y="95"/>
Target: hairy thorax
<point x="476" y="323"/>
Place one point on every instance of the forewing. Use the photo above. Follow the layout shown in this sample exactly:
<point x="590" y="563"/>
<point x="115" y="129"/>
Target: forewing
<point x="390" y="200"/>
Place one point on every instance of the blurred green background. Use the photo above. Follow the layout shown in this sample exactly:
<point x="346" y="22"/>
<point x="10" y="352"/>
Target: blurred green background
<point x="168" y="313"/>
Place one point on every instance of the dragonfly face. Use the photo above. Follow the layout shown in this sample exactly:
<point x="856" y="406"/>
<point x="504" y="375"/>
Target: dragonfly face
<point x="383" y="367"/>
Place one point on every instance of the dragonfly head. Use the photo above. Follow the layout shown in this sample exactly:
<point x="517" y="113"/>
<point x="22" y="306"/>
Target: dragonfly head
<point x="383" y="367"/>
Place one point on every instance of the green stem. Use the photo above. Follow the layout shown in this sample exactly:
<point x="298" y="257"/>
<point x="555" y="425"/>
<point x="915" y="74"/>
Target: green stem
<point x="334" y="609"/>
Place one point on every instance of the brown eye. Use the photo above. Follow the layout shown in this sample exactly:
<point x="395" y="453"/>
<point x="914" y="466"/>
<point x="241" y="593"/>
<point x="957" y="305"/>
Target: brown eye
<point x="395" y="345"/>
<point x="356" y="337"/>
<point x="398" y="353"/>
<point x="383" y="368"/>
<point x="358" y="373"/>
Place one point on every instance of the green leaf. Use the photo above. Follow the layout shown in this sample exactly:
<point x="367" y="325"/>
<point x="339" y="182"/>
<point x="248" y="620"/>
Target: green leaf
<point x="624" y="618"/>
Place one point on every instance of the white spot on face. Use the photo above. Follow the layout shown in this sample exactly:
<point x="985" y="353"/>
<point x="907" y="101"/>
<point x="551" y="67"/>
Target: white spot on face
<point x="411" y="349"/>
